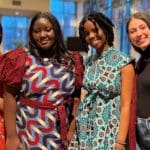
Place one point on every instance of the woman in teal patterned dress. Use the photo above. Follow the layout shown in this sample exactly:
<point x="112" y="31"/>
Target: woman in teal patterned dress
<point x="103" y="114"/>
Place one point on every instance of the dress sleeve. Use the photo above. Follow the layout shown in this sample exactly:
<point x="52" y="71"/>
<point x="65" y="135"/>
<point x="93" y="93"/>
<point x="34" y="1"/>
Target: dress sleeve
<point x="12" y="65"/>
<point x="79" y="71"/>
<point x="124" y="59"/>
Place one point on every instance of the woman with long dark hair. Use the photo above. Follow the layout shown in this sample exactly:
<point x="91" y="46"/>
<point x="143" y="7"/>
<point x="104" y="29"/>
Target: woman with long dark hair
<point x="41" y="88"/>
<point x="138" y="29"/>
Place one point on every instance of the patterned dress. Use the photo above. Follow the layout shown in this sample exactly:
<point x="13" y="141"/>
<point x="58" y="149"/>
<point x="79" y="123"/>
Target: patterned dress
<point x="46" y="96"/>
<point x="98" y="114"/>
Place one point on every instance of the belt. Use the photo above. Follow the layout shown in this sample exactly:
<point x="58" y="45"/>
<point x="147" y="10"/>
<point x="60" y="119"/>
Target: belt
<point x="60" y="110"/>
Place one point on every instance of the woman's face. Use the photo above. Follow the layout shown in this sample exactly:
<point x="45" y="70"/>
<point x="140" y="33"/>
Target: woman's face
<point x="139" y="33"/>
<point x="95" y="38"/>
<point x="43" y="34"/>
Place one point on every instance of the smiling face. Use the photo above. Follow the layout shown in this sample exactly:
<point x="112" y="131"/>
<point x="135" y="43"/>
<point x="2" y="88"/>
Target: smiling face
<point x="95" y="37"/>
<point x="43" y="34"/>
<point x="139" y="33"/>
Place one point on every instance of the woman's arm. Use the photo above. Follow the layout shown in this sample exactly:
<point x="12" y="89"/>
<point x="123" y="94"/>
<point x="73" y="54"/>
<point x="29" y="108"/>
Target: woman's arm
<point x="74" y="112"/>
<point x="83" y="94"/>
<point x="12" y="141"/>
<point x="1" y="105"/>
<point x="127" y="81"/>
<point x="72" y="127"/>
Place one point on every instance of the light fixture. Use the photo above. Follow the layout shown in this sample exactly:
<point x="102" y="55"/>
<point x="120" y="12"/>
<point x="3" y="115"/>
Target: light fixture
<point x="16" y="13"/>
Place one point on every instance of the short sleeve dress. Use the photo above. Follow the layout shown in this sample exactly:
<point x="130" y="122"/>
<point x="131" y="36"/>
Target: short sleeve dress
<point x="45" y="92"/>
<point x="98" y="114"/>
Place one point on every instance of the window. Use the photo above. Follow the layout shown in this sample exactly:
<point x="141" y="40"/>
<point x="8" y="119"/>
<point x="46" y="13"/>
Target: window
<point x="65" y="12"/>
<point x="14" y="32"/>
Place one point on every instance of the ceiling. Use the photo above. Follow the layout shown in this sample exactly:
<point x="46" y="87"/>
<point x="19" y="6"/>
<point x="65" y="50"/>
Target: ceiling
<point x="16" y="12"/>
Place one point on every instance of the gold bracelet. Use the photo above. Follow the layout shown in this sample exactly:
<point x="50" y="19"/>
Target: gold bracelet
<point x="117" y="148"/>
<point x="120" y="142"/>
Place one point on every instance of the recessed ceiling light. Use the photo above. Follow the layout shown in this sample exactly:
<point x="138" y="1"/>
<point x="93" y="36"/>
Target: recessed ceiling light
<point x="17" y="13"/>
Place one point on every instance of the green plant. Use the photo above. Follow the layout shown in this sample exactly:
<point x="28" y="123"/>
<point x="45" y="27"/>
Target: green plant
<point x="18" y="43"/>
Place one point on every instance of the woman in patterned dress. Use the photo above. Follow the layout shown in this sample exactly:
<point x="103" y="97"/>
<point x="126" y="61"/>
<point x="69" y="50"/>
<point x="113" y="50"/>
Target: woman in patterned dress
<point x="41" y="88"/>
<point x="103" y="115"/>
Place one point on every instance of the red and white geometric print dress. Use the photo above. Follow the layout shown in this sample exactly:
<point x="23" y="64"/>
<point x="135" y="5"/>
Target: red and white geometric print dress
<point x="45" y="89"/>
<point x="45" y="95"/>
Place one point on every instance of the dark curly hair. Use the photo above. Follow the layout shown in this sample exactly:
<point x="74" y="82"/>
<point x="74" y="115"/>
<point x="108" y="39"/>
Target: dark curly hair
<point x="104" y="23"/>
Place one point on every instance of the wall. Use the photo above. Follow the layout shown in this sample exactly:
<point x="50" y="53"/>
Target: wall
<point x="27" y="7"/>
<point x="79" y="16"/>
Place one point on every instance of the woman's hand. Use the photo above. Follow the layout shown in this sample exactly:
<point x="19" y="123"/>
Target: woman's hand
<point x="13" y="144"/>
<point x="69" y="136"/>
<point x="71" y="130"/>
<point x="83" y="94"/>
<point x="118" y="147"/>
<point x="68" y="140"/>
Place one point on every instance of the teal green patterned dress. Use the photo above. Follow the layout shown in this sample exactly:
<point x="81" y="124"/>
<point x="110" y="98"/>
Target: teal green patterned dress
<point x="98" y="114"/>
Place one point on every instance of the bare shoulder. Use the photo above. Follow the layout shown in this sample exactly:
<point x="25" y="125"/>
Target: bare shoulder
<point x="129" y="69"/>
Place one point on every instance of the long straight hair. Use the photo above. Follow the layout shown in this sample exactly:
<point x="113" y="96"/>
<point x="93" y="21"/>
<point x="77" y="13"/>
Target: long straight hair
<point x="142" y="16"/>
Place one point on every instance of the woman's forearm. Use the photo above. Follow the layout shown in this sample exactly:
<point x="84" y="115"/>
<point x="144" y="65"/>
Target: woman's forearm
<point x="72" y="126"/>
<point x="124" y="123"/>
<point x="74" y="111"/>
<point x="127" y="81"/>
<point x="75" y="106"/>
<point x="10" y="115"/>
<point x="1" y="105"/>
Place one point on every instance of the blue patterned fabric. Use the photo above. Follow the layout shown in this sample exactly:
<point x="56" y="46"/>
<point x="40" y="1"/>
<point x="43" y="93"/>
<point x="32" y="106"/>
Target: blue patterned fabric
<point x="98" y="114"/>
